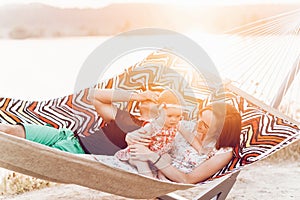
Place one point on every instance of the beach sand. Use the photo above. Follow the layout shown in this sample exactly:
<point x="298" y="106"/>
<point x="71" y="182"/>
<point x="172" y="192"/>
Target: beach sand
<point x="275" y="178"/>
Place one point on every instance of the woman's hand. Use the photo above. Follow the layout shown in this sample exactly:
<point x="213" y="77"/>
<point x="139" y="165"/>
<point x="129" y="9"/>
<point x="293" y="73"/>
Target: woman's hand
<point x="142" y="153"/>
<point x="138" y="137"/>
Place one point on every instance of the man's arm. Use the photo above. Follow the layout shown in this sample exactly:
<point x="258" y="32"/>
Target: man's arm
<point x="103" y="99"/>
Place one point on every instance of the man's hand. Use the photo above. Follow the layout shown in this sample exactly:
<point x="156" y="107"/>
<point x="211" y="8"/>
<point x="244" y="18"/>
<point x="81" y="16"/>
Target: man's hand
<point x="145" y="96"/>
<point x="138" y="137"/>
<point x="142" y="153"/>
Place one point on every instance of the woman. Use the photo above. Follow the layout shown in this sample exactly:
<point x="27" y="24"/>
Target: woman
<point x="217" y="131"/>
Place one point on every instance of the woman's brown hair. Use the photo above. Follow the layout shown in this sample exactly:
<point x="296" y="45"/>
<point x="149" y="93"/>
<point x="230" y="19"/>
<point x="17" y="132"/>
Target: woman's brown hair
<point x="229" y="124"/>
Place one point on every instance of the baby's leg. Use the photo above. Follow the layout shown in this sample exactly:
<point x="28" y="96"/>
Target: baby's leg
<point x="142" y="167"/>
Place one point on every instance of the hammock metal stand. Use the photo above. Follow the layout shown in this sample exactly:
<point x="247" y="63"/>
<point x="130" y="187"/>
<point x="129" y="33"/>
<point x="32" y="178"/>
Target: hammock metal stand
<point x="219" y="190"/>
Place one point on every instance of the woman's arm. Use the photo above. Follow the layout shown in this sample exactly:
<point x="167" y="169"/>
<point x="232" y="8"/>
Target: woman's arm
<point x="163" y="163"/>
<point x="200" y="173"/>
<point x="190" y="138"/>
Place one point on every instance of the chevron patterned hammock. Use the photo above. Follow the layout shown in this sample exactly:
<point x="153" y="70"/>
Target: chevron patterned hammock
<point x="264" y="130"/>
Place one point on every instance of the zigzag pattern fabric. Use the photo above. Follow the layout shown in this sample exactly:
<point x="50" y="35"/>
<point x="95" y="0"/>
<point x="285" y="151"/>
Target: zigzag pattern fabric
<point x="262" y="132"/>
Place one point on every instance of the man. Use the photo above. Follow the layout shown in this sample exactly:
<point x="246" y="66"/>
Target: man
<point x="109" y="139"/>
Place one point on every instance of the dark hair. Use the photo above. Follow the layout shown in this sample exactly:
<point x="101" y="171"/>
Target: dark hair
<point x="229" y="124"/>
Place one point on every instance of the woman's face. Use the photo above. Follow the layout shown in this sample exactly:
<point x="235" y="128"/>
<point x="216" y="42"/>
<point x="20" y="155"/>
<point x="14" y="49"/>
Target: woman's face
<point x="205" y="122"/>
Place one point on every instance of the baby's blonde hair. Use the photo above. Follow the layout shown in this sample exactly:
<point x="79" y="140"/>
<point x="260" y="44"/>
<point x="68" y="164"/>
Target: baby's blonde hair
<point x="170" y="98"/>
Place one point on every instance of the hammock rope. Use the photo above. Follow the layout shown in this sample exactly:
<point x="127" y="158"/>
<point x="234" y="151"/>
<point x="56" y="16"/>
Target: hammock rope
<point x="287" y="84"/>
<point x="258" y="55"/>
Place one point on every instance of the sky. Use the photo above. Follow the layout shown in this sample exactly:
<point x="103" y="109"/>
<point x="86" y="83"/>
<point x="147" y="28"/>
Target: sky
<point x="101" y="3"/>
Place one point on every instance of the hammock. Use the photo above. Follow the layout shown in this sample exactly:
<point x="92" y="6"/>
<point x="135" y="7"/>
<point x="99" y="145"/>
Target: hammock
<point x="264" y="130"/>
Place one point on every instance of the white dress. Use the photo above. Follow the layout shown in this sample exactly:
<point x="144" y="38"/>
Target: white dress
<point x="184" y="157"/>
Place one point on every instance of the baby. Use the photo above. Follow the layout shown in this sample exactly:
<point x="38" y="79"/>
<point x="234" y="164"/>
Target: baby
<point x="161" y="129"/>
